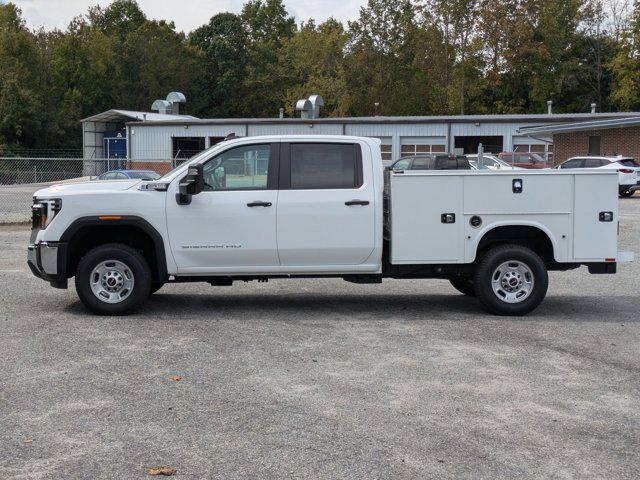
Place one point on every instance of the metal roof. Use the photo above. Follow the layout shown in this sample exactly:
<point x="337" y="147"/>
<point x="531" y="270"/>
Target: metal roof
<point x="603" y="124"/>
<point x="131" y="115"/>
<point x="508" y="118"/>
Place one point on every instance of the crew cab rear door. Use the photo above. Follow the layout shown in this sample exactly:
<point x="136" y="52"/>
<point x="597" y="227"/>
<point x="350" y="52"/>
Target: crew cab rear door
<point x="326" y="207"/>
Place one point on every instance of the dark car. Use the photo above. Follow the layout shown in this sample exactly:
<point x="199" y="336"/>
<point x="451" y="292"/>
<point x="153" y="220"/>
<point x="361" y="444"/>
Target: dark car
<point x="129" y="174"/>
<point x="440" y="161"/>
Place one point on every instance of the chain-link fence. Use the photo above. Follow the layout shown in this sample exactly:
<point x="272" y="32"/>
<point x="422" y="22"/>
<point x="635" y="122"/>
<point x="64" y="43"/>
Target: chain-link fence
<point x="21" y="177"/>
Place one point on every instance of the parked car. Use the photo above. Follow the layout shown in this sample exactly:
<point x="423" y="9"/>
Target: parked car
<point x="524" y="159"/>
<point x="490" y="162"/>
<point x="129" y="175"/>
<point x="431" y="161"/>
<point x="628" y="170"/>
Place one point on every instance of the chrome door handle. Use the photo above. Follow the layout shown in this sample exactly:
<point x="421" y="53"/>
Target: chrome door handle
<point x="356" y="202"/>
<point x="259" y="204"/>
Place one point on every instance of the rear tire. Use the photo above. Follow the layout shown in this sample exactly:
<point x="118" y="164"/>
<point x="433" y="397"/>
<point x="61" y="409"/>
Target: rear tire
<point x="625" y="193"/>
<point x="113" y="279"/>
<point x="464" y="286"/>
<point x="511" y="280"/>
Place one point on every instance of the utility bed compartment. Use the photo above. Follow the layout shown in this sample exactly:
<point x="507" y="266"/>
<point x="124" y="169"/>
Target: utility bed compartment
<point x="428" y="213"/>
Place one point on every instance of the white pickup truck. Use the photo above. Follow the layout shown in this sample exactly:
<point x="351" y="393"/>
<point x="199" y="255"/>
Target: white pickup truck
<point x="322" y="206"/>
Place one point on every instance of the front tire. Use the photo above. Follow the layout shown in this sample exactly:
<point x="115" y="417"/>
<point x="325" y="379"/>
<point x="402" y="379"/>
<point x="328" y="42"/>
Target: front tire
<point x="113" y="279"/>
<point x="511" y="280"/>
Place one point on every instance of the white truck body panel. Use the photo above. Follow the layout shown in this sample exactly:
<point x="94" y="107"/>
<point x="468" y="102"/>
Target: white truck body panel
<point x="312" y="232"/>
<point x="563" y="204"/>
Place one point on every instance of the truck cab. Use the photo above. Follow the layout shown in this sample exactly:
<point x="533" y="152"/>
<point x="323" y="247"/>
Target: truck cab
<point x="292" y="206"/>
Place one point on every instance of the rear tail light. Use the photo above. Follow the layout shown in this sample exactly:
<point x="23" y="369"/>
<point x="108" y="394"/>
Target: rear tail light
<point x="625" y="170"/>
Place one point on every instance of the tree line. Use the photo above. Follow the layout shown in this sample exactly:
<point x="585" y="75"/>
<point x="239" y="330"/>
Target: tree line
<point x="399" y="57"/>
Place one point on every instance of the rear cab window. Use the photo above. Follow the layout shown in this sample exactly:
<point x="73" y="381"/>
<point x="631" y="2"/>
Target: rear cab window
<point x="322" y="166"/>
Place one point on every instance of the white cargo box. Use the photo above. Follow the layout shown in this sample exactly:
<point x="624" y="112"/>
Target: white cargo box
<point x="430" y="212"/>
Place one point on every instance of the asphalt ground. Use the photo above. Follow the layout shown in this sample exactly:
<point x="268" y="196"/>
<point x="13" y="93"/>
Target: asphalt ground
<point x="322" y="379"/>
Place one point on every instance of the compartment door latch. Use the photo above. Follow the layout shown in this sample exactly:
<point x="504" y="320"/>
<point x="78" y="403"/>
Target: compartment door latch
<point x="448" y="218"/>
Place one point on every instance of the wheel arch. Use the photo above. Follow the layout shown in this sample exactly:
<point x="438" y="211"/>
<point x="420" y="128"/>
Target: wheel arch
<point x="532" y="235"/>
<point x="86" y="233"/>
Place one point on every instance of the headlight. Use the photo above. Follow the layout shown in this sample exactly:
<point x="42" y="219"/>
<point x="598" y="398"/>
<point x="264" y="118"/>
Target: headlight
<point x="44" y="211"/>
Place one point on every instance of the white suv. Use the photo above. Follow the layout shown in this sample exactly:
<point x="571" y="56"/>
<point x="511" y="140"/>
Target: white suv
<point x="628" y="170"/>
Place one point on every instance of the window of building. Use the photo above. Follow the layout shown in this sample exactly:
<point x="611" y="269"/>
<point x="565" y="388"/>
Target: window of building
<point x="187" y="147"/>
<point x="240" y="168"/>
<point x="413" y="149"/>
<point x="325" y="165"/>
<point x="594" y="145"/>
<point x="385" y="148"/>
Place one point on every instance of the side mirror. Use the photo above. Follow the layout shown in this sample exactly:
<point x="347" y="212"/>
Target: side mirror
<point x="191" y="184"/>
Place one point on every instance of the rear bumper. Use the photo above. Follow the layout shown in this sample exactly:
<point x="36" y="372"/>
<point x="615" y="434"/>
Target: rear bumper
<point x="610" y="267"/>
<point x="48" y="261"/>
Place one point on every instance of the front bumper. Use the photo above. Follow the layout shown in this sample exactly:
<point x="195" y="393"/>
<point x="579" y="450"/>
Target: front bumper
<point x="48" y="261"/>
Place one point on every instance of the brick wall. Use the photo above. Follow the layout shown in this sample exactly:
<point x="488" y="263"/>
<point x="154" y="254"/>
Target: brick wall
<point x="613" y="141"/>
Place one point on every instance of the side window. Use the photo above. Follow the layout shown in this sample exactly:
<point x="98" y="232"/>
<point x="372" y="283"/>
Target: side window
<point x="240" y="168"/>
<point x="573" y="163"/>
<point x="422" y="163"/>
<point x="325" y="165"/>
<point x="446" y="163"/>
<point x="121" y="176"/>
<point x="592" y="163"/>
<point x="402" y="164"/>
<point x="109" y="176"/>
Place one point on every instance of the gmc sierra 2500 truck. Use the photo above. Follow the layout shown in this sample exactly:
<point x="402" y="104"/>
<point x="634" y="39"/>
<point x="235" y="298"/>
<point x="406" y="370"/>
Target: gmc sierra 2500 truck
<point x="267" y="207"/>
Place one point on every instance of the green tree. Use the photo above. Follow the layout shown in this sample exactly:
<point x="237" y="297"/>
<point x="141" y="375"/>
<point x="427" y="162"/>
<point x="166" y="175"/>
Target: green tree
<point x="312" y="61"/>
<point x="21" y="76"/>
<point x="626" y="66"/>
<point x="221" y="49"/>
<point x="268" y="26"/>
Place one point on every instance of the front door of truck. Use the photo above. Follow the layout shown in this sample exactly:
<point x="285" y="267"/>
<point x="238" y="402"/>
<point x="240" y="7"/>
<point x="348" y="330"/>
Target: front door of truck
<point x="326" y="207"/>
<point x="231" y="225"/>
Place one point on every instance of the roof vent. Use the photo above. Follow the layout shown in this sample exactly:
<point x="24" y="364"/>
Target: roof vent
<point x="175" y="99"/>
<point x="161" y="106"/>
<point x="170" y="106"/>
<point x="593" y="108"/>
<point x="305" y="108"/>
<point x="310" y="108"/>
<point x="549" y="107"/>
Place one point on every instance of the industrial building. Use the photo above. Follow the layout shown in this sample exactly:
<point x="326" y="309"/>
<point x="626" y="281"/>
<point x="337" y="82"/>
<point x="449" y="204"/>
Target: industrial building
<point x="166" y="134"/>
<point x="608" y="136"/>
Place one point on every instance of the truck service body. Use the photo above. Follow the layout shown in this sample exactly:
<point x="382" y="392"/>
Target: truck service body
<point x="305" y="206"/>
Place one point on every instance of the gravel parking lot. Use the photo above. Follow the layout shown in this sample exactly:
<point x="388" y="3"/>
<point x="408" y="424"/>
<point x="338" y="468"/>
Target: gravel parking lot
<point x="322" y="379"/>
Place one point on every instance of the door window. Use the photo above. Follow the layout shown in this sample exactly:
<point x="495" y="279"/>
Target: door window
<point x="325" y="165"/>
<point x="573" y="163"/>
<point x="422" y="163"/>
<point x="592" y="163"/>
<point x="240" y="168"/>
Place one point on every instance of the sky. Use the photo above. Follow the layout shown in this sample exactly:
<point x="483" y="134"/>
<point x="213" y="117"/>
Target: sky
<point x="186" y="14"/>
